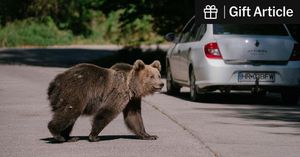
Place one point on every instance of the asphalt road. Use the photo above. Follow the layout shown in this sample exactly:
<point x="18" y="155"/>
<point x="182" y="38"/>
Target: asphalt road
<point x="232" y="125"/>
<point x="55" y="56"/>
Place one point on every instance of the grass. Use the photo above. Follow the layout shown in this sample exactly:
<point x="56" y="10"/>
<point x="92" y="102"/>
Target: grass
<point x="33" y="33"/>
<point x="109" y="30"/>
<point x="104" y="30"/>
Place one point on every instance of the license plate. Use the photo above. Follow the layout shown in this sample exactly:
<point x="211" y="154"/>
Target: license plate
<point x="252" y="76"/>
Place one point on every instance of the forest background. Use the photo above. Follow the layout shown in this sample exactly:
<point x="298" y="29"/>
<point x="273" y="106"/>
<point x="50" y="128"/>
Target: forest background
<point x="67" y="22"/>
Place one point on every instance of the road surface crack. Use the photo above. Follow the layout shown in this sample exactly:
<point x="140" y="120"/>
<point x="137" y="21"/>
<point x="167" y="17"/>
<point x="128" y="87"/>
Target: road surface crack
<point x="215" y="154"/>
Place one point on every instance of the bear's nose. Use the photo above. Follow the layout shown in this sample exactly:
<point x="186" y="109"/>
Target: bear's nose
<point x="161" y="85"/>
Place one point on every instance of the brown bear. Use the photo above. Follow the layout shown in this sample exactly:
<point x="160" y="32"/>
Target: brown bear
<point x="132" y="112"/>
<point x="87" y="89"/>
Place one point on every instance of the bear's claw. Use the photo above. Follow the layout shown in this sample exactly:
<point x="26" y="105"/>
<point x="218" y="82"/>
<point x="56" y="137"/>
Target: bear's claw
<point x="149" y="137"/>
<point x="94" y="139"/>
<point x="73" y="139"/>
<point x="59" y="139"/>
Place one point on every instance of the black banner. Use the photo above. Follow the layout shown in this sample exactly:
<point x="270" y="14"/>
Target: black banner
<point x="248" y="11"/>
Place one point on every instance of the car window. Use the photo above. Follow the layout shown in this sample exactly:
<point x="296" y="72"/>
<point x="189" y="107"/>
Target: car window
<point x="186" y="31"/>
<point x="200" y="32"/>
<point x="193" y="33"/>
<point x="250" y="29"/>
<point x="196" y="33"/>
<point x="185" y="37"/>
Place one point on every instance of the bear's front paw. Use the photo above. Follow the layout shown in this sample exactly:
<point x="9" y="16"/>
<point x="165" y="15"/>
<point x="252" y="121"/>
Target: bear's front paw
<point x="94" y="138"/>
<point x="73" y="139"/>
<point x="149" y="137"/>
<point x="59" y="139"/>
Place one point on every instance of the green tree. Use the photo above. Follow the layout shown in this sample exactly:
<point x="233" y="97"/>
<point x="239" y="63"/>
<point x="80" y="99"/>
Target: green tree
<point x="11" y="10"/>
<point x="76" y="15"/>
<point x="167" y="15"/>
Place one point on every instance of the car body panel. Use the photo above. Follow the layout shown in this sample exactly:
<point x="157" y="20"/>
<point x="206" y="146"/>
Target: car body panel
<point x="224" y="74"/>
<point x="255" y="47"/>
<point x="240" y="54"/>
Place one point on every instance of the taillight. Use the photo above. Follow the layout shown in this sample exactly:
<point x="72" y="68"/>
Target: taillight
<point x="212" y="51"/>
<point x="296" y="53"/>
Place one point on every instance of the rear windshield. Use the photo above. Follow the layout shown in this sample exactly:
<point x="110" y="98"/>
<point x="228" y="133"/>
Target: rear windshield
<point x="250" y="29"/>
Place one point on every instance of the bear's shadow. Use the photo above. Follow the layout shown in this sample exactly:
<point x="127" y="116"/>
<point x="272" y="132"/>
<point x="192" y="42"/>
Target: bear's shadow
<point x="102" y="138"/>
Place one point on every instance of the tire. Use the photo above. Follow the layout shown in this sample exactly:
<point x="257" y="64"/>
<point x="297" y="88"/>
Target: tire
<point x="172" y="89"/>
<point x="193" y="88"/>
<point x="290" y="98"/>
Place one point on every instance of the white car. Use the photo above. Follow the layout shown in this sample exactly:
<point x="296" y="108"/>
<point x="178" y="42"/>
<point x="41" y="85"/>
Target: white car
<point x="225" y="57"/>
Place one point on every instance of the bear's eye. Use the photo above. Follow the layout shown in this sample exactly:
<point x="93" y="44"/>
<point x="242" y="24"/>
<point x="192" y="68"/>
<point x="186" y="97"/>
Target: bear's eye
<point x="152" y="76"/>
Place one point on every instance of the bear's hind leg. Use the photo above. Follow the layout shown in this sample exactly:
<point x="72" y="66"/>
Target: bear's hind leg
<point x="66" y="134"/>
<point x="55" y="129"/>
<point x="61" y="125"/>
<point x="100" y="121"/>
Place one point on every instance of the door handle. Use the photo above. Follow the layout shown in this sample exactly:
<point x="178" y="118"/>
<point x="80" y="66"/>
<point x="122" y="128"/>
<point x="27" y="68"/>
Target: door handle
<point x="179" y="51"/>
<point x="189" y="50"/>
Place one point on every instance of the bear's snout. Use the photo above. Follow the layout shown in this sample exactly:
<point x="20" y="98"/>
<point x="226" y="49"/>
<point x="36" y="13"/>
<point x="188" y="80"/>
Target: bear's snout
<point x="161" y="85"/>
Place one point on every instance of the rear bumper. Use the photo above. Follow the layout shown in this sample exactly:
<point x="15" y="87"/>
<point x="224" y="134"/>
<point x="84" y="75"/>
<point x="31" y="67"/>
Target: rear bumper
<point x="269" y="88"/>
<point x="215" y="73"/>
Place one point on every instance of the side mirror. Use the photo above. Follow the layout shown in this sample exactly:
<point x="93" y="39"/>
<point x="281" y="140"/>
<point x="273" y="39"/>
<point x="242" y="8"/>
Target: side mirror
<point x="170" y="37"/>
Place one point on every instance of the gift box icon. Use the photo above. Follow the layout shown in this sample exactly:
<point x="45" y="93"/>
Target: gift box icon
<point x="210" y="12"/>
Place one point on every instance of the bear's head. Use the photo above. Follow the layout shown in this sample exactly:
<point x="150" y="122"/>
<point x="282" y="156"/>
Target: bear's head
<point x="146" y="79"/>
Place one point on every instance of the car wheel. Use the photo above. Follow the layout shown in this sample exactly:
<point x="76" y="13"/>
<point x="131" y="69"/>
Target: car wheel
<point x="193" y="87"/>
<point x="289" y="98"/>
<point x="171" y="88"/>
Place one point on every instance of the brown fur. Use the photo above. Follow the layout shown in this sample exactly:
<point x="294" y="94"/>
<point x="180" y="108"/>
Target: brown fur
<point x="132" y="113"/>
<point x="87" y="89"/>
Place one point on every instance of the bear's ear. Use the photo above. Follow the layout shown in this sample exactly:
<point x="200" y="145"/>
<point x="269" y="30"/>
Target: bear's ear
<point x="138" y="65"/>
<point x="156" y="64"/>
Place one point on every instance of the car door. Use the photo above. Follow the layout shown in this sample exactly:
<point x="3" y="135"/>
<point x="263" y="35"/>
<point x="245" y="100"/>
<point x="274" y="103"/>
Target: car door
<point x="182" y="52"/>
<point x="174" y="60"/>
<point x="195" y="49"/>
<point x="187" y="48"/>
